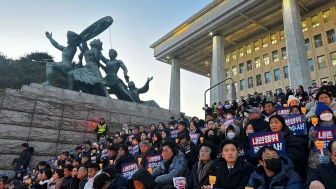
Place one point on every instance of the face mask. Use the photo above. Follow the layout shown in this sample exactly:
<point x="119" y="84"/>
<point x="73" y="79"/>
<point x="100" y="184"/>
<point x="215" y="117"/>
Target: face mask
<point x="326" y="116"/>
<point x="230" y="135"/>
<point x="273" y="164"/>
<point x="229" y="117"/>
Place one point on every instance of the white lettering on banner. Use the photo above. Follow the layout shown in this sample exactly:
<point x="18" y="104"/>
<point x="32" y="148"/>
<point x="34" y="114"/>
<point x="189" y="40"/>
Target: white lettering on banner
<point x="297" y="127"/>
<point x="324" y="135"/>
<point x="265" y="139"/>
<point x="293" y="121"/>
<point x="129" y="167"/>
<point x="277" y="146"/>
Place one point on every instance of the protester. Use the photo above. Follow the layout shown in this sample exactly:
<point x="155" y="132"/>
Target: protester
<point x="124" y="157"/>
<point x="324" y="97"/>
<point x="189" y="149"/>
<point x="256" y="119"/>
<point x="269" y="110"/>
<point x="57" y="179"/>
<point x="44" y="183"/>
<point x="274" y="171"/>
<point x="141" y="179"/>
<point x="144" y="152"/>
<point x="82" y="176"/>
<point x="157" y="140"/>
<point x="66" y="184"/>
<point x="93" y="171"/>
<point x="101" y="181"/>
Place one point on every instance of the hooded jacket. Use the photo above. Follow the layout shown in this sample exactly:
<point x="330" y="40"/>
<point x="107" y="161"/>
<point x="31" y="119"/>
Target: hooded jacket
<point x="24" y="158"/>
<point x="178" y="168"/>
<point x="144" y="177"/>
<point x="286" y="177"/>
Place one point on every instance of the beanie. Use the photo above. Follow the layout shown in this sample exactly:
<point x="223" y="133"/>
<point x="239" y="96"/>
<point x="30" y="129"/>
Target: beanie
<point x="291" y="98"/>
<point x="321" y="107"/>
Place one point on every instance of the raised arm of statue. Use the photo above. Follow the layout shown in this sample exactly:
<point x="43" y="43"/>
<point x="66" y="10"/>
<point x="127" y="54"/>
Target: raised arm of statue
<point x="145" y="88"/>
<point x="122" y="65"/>
<point x="103" y="59"/>
<point x="102" y="66"/>
<point x="53" y="42"/>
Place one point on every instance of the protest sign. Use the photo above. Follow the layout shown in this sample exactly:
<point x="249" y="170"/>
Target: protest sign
<point x="333" y="129"/>
<point x="180" y="182"/>
<point x="128" y="169"/>
<point x="228" y="122"/>
<point x="194" y="137"/>
<point x="173" y="133"/>
<point x="260" y="139"/>
<point x="282" y="111"/>
<point x="135" y="149"/>
<point x="153" y="161"/>
<point x="296" y="124"/>
<point x="323" y="134"/>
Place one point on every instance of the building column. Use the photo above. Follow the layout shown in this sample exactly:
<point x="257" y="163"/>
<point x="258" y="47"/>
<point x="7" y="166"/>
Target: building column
<point x="299" y="73"/>
<point x="174" y="98"/>
<point x="217" y="93"/>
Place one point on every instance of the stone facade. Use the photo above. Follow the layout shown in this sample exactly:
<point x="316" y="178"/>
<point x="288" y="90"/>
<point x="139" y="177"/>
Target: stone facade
<point x="53" y="120"/>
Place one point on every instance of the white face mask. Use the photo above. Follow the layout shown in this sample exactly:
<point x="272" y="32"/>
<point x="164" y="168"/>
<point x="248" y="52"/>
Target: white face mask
<point x="230" y="135"/>
<point x="229" y="117"/>
<point x="326" y="116"/>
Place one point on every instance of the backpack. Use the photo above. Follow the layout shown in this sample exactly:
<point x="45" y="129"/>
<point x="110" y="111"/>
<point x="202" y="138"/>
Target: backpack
<point x="284" y="182"/>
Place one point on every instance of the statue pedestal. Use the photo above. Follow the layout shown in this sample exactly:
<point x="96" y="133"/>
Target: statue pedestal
<point x="53" y="120"/>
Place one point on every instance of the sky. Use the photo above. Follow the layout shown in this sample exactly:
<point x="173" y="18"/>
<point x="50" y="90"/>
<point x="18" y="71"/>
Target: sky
<point x="137" y="24"/>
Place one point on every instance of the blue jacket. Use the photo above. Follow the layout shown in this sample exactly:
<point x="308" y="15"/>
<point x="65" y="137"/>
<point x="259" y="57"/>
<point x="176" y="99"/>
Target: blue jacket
<point x="287" y="176"/>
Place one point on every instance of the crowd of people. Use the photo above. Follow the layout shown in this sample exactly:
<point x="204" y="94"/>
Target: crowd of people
<point x="220" y="156"/>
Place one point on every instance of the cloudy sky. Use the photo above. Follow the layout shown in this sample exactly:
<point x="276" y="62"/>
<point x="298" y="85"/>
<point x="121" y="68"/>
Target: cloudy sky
<point x="137" y="24"/>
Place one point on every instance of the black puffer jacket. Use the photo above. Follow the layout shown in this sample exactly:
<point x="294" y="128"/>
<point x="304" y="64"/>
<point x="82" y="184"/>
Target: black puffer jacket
<point x="144" y="177"/>
<point x="127" y="158"/>
<point x="24" y="158"/>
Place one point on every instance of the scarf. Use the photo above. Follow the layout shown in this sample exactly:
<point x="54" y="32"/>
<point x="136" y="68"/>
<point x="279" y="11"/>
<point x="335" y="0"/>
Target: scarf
<point x="203" y="169"/>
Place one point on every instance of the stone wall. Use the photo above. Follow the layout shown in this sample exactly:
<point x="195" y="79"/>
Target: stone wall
<point x="53" y="120"/>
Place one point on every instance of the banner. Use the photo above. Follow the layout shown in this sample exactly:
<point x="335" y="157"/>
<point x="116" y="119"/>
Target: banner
<point x="228" y="122"/>
<point x="135" y="150"/>
<point x="153" y="161"/>
<point x="242" y="153"/>
<point x="173" y="133"/>
<point x="296" y="124"/>
<point x="282" y="111"/>
<point x="180" y="182"/>
<point x="128" y="169"/>
<point x="260" y="139"/>
<point x="194" y="137"/>
<point x="323" y="134"/>
<point x="333" y="128"/>
<point x="130" y="137"/>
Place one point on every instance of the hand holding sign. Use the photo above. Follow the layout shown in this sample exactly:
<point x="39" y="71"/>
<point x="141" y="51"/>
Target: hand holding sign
<point x="212" y="180"/>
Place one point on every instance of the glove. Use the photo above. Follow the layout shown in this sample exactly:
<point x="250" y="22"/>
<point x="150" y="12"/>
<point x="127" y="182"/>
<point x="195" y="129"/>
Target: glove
<point x="323" y="159"/>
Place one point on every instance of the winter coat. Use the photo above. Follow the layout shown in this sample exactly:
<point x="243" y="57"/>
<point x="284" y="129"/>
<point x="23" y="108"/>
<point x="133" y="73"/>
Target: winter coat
<point x="326" y="174"/>
<point x="41" y="185"/>
<point x="192" y="155"/>
<point x="178" y="168"/>
<point x="82" y="182"/>
<point x="24" y="158"/>
<point x="56" y="184"/>
<point x="311" y="112"/>
<point x="194" y="183"/>
<point x="127" y="158"/>
<point x="144" y="177"/>
<point x="119" y="182"/>
<point x="238" y="177"/>
<point x="294" y="149"/>
<point x="66" y="184"/>
<point x="144" y="159"/>
<point x="286" y="177"/>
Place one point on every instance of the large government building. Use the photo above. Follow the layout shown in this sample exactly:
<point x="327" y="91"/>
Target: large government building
<point x="263" y="45"/>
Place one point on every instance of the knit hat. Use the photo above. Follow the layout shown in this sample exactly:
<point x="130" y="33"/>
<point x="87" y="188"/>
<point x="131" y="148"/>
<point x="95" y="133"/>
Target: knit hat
<point x="291" y="98"/>
<point x="321" y="107"/>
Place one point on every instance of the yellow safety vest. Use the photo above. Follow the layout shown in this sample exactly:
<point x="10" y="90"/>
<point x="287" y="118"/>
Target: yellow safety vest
<point x="101" y="128"/>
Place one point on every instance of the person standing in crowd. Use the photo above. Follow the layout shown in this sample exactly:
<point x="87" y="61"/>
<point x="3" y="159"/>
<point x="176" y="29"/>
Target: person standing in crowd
<point x="141" y="179"/>
<point x="256" y="119"/>
<point x="82" y="176"/>
<point x="173" y="165"/>
<point x="144" y="152"/>
<point x="206" y="166"/>
<point x="220" y="109"/>
<point x="24" y="159"/>
<point x="214" y="109"/>
<point x="233" y="172"/>
<point x="269" y="110"/>
<point x="101" y="128"/>
<point x="270" y="98"/>
<point x="57" y="179"/>
<point x="274" y="171"/>
<point x="183" y="118"/>
<point x="256" y="100"/>
<point x="45" y="181"/>
<point x="124" y="156"/>
<point x="294" y="149"/>
<point x="66" y="184"/>
<point x="281" y="95"/>
<point x="189" y="149"/>
<point x="325" y="174"/>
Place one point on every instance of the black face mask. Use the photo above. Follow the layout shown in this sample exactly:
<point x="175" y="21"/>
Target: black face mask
<point x="273" y="164"/>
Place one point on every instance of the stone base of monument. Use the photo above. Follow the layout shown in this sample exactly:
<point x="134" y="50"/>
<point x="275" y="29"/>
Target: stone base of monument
<point x="53" y="120"/>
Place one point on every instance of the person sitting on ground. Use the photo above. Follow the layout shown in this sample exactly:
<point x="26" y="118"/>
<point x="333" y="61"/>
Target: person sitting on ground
<point x="141" y="179"/>
<point x="44" y="183"/>
<point x="189" y="149"/>
<point x="86" y="160"/>
<point x="66" y="184"/>
<point x="117" y="180"/>
<point x="82" y="176"/>
<point x="93" y="171"/>
<point x="57" y="179"/>
<point x="144" y="152"/>
<point x="182" y="128"/>
<point x="269" y="110"/>
<point x="256" y="119"/>
<point x="124" y="157"/>
<point x="101" y="181"/>
<point x="274" y="171"/>
<point x="292" y="101"/>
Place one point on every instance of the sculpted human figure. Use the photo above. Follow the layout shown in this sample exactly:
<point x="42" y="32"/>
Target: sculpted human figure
<point x="134" y="92"/>
<point x="68" y="54"/>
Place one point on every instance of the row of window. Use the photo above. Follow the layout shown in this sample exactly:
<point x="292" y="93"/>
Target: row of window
<point x="327" y="16"/>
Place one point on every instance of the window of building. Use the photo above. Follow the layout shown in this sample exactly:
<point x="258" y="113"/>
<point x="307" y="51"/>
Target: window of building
<point x="324" y="79"/>
<point x="275" y="56"/>
<point x="256" y="45"/>
<point x="241" y="52"/>
<point x="266" y="59"/>
<point x="273" y="38"/>
<point x="250" y="82"/>
<point x="264" y="42"/>
<point x="331" y="36"/>
<point x="326" y="16"/>
<point x="227" y="58"/>
<point x="284" y="53"/>
<point x="234" y="55"/>
<point x="259" y="81"/>
<point x="321" y="62"/>
<point x="285" y="71"/>
<point x="315" y="21"/>
<point x="249" y="65"/>
<point x="227" y="88"/>
<point x="257" y="62"/>
<point x="242" y="84"/>
<point x="241" y="68"/>
<point x="307" y="43"/>
<point x="282" y="35"/>
<point x="311" y="64"/>
<point x="277" y="76"/>
<point x="234" y="70"/>
<point x="333" y="58"/>
<point x="304" y="26"/>
<point x="318" y="41"/>
<point x="268" y="77"/>
<point x="235" y="84"/>
<point x="227" y="71"/>
<point x="248" y="49"/>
